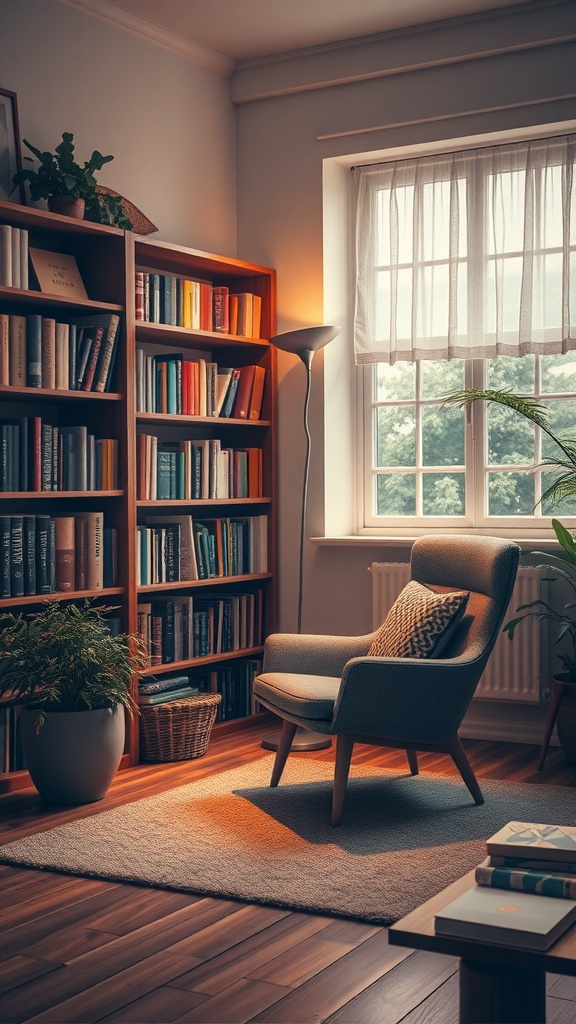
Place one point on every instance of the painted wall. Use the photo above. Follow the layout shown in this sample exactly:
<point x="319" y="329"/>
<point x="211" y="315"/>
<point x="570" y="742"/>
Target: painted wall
<point x="168" y="122"/>
<point x="294" y="116"/>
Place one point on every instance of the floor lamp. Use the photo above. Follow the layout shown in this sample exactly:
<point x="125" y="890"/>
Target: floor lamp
<point x="303" y="343"/>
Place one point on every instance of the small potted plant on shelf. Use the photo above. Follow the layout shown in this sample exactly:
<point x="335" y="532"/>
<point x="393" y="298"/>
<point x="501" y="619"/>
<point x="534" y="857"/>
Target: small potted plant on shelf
<point x="74" y="678"/>
<point x="562" y="565"/>
<point x="70" y="187"/>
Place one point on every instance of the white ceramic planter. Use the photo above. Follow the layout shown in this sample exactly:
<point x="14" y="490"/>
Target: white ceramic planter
<point x="73" y="757"/>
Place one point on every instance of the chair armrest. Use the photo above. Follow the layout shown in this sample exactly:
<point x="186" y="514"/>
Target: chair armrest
<point x="310" y="654"/>
<point x="415" y="699"/>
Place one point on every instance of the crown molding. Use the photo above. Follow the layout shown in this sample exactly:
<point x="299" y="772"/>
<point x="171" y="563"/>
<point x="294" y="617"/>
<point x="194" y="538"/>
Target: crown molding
<point x="111" y="13"/>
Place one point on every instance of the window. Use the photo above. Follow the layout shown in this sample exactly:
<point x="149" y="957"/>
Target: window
<point x="465" y="278"/>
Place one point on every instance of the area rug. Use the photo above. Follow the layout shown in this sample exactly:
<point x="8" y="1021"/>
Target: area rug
<point x="403" y="838"/>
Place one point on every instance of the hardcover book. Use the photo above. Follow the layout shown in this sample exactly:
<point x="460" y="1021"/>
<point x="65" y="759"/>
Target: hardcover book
<point x="529" y="840"/>
<point x="508" y="919"/>
<point x="537" y="882"/>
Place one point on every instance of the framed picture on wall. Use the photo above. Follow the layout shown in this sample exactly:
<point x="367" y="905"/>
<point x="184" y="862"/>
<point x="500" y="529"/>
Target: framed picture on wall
<point x="10" y="160"/>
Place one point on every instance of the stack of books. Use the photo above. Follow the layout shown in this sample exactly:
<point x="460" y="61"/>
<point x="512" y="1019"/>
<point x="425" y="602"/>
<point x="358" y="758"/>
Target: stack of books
<point x="162" y="691"/>
<point x="536" y="863"/>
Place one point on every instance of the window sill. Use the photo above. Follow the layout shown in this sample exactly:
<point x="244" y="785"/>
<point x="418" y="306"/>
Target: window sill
<point x="389" y="541"/>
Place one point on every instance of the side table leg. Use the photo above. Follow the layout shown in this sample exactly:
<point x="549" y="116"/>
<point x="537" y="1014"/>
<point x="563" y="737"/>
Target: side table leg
<point x="494" y="994"/>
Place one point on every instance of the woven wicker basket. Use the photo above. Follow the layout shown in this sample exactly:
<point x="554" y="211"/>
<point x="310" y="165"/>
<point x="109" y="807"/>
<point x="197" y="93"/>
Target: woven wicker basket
<point x="179" y="729"/>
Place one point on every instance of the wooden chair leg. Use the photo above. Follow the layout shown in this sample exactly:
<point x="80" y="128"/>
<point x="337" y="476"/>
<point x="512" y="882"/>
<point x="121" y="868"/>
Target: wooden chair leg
<point x="284" y="743"/>
<point x="412" y="761"/>
<point x="344" y="748"/>
<point x="556" y="697"/>
<point x="458" y="755"/>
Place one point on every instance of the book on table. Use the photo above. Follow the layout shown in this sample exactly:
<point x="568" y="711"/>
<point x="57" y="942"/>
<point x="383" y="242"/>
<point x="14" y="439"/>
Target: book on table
<point x="509" y="919"/>
<point x="532" y="841"/>
<point x="545" y="882"/>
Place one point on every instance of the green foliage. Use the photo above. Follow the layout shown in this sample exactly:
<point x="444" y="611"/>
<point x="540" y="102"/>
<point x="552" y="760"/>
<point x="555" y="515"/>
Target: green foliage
<point x="563" y="567"/>
<point x="59" y="174"/>
<point x="63" y="658"/>
<point x="563" y="484"/>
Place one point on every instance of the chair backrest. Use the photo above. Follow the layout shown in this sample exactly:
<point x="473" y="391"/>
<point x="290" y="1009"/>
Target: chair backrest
<point x="486" y="567"/>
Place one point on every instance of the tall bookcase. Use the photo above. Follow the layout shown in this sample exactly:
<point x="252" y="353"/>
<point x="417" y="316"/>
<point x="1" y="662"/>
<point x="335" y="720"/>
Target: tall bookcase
<point x="109" y="261"/>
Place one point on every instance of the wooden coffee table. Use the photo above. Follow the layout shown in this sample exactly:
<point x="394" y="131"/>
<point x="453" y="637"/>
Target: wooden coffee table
<point x="498" y="984"/>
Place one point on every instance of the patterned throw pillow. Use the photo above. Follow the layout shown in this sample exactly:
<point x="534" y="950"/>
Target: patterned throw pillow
<point x="419" y="622"/>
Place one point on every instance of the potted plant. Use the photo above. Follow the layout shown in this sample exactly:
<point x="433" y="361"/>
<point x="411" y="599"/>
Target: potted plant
<point x="74" y="679"/>
<point x="71" y="188"/>
<point x="562" y="566"/>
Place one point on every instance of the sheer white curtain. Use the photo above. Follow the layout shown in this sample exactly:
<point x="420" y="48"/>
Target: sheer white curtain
<point x="467" y="255"/>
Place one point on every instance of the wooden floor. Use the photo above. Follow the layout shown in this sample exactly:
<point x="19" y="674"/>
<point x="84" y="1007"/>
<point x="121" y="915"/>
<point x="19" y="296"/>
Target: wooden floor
<point x="77" y="950"/>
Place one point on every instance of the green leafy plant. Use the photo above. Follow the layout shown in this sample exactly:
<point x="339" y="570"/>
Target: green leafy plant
<point x="563" y="565"/>
<point x="564" y="483"/>
<point x="59" y="174"/>
<point x="64" y="658"/>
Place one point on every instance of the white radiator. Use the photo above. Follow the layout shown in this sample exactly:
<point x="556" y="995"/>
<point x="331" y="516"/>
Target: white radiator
<point x="517" y="669"/>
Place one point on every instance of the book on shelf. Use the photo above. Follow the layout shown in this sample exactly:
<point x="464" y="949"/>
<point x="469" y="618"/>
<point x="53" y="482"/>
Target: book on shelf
<point x="516" y="919"/>
<point x="4" y="348"/>
<point x="244" y="392"/>
<point x="526" y="880"/>
<point x="6" y="255"/>
<point x="34" y="350"/>
<point x="57" y="274"/>
<point x="257" y="393"/>
<point x="13" y="256"/>
<point x="65" y="553"/>
<point x="534" y="841"/>
<point x="17" y="346"/>
<point x="188" y="568"/>
<point x="95" y="346"/>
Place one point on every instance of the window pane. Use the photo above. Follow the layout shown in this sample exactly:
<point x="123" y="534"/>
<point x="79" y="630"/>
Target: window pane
<point x="443" y="494"/>
<point x="559" y="374"/>
<point x="439" y="379"/>
<point x="562" y="420"/>
<point x="396" y="437"/>
<point x="396" y="494"/>
<point x="510" y="494"/>
<point x="503" y="283"/>
<point x="442" y="436"/>
<point x="565" y="507"/>
<point x="547" y="295"/>
<point x="511" y="439"/>
<point x="394" y="383"/>
<point x="513" y="373"/>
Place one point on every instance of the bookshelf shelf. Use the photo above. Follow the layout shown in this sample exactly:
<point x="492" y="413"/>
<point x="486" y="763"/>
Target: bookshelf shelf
<point x="108" y="260"/>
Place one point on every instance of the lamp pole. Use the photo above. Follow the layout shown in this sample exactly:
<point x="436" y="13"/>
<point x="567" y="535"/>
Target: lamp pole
<point x="303" y="343"/>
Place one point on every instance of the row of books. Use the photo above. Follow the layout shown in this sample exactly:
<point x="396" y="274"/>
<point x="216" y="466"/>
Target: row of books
<point x="196" y="470"/>
<point x="13" y="256"/>
<point x="537" y="864"/>
<point x="40" y="456"/>
<point x="177" y="548"/>
<point x="183" y="628"/>
<point x="177" y="386"/>
<point x="41" y="352"/>
<point x="42" y="554"/>
<point x="196" y="305"/>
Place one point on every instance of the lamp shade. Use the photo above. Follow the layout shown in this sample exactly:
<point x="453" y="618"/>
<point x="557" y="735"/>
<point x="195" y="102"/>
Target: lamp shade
<point x="306" y="339"/>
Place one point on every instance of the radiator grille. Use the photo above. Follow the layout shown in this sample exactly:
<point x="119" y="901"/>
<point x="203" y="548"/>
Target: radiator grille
<point x="516" y="670"/>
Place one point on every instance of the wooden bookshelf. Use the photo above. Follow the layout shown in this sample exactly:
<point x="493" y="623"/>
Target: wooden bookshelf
<point x="108" y="260"/>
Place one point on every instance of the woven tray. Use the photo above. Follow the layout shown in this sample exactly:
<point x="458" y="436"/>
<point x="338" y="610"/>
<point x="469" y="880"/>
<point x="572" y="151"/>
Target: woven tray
<point x="178" y="730"/>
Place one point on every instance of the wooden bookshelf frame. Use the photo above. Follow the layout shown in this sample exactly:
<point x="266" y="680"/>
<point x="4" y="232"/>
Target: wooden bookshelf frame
<point x="108" y="259"/>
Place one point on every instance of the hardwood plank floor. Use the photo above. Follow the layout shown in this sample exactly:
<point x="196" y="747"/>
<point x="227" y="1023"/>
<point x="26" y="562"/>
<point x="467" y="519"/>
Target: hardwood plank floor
<point x="75" y="950"/>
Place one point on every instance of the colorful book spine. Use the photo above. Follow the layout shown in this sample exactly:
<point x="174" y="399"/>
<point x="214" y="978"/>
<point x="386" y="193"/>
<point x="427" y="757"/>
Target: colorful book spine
<point x="536" y="882"/>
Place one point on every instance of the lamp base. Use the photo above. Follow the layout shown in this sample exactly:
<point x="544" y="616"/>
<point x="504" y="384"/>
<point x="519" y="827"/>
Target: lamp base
<point x="304" y="740"/>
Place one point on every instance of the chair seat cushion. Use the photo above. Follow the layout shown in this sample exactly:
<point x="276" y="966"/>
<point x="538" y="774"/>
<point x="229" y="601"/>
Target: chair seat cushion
<point x="304" y="696"/>
<point x="419" y="622"/>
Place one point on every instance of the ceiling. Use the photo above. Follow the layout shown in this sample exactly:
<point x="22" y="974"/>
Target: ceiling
<point x="245" y="29"/>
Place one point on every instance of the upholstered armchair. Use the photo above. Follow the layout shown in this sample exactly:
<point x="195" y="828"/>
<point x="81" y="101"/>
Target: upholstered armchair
<point x="337" y="685"/>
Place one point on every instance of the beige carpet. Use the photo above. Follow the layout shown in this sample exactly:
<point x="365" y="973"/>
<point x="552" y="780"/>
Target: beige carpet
<point x="402" y="840"/>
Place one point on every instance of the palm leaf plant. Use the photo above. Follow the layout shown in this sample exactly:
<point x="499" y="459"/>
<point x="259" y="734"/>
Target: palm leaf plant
<point x="561" y="565"/>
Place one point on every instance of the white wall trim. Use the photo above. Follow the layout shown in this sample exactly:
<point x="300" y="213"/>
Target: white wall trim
<point x="142" y="27"/>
